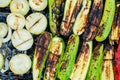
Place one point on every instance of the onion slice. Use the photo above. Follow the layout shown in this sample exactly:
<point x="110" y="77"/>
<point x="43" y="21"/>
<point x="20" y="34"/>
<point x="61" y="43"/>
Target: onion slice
<point x="1" y="61"/>
<point x="4" y="3"/>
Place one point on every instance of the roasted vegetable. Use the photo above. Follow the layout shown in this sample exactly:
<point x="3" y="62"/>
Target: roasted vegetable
<point x="106" y="21"/>
<point x="94" y="71"/>
<point x="67" y="61"/>
<point x="19" y="6"/>
<point x="4" y="3"/>
<point x="114" y="37"/>
<point x="93" y="20"/>
<point x="82" y="62"/>
<point x="41" y="54"/>
<point x="55" y="52"/>
<point x="16" y="21"/>
<point x="1" y="61"/>
<point x="107" y="66"/>
<point x="20" y="63"/>
<point x="38" y="5"/>
<point x="22" y="39"/>
<point x="71" y="10"/>
<point x="54" y="15"/>
<point x="82" y="18"/>
<point x="36" y="23"/>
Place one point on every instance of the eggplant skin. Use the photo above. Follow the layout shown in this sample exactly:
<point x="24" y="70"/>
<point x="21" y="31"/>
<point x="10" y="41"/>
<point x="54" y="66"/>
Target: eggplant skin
<point x="71" y="10"/>
<point x="55" y="52"/>
<point x="107" y="66"/>
<point x="94" y="20"/>
<point x="67" y="61"/>
<point x="40" y="54"/>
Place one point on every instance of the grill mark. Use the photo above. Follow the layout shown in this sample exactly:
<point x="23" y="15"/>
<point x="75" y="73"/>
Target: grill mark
<point x="43" y="44"/>
<point x="23" y="42"/>
<point x="94" y="20"/>
<point x="37" y="2"/>
<point x="107" y="71"/>
<point x="35" y="23"/>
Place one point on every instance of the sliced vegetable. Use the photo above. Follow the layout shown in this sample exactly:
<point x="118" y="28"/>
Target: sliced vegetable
<point x="22" y="39"/>
<point x="38" y="5"/>
<point x="106" y="21"/>
<point x="67" y="61"/>
<point x="54" y="15"/>
<point x="83" y="61"/>
<point x="94" y="71"/>
<point x="36" y="23"/>
<point x="82" y="18"/>
<point x="16" y="21"/>
<point x="4" y="3"/>
<point x="71" y="10"/>
<point x="55" y="52"/>
<point x="41" y="54"/>
<point x="20" y="64"/>
<point x="19" y="6"/>
<point x="107" y="66"/>
<point x="1" y="61"/>
<point x="93" y="20"/>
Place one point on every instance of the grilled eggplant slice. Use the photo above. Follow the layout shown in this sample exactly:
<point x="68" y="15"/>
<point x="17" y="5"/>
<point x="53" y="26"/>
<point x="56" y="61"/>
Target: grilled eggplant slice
<point x="96" y="63"/>
<point x="82" y="18"/>
<point x="54" y="14"/>
<point x="67" y="61"/>
<point x="83" y="62"/>
<point x="107" y="66"/>
<point x="71" y="10"/>
<point x="114" y="31"/>
<point x="94" y="20"/>
<point x="106" y="21"/>
<point x="55" y="52"/>
<point x="41" y="54"/>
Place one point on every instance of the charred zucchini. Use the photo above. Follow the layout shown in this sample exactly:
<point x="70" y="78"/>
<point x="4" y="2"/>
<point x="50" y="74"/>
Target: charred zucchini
<point x="82" y="18"/>
<point x="41" y="54"/>
<point x="83" y="62"/>
<point x="94" y="20"/>
<point x="71" y="9"/>
<point x="55" y="52"/>
<point x="107" y="66"/>
<point x="106" y="21"/>
<point x="54" y="11"/>
<point x="66" y="64"/>
<point x="96" y="63"/>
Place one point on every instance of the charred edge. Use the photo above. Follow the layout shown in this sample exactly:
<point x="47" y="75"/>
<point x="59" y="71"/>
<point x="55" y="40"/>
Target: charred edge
<point x="37" y="2"/>
<point x="96" y="52"/>
<point x="84" y="50"/>
<point x="51" y="64"/>
<point x="94" y="21"/>
<point x="42" y="47"/>
<point x="118" y="21"/>
<point x="71" y="40"/>
<point x="68" y="24"/>
<point x="100" y="30"/>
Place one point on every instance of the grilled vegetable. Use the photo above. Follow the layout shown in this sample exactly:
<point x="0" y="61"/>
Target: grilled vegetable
<point x="67" y="61"/>
<point x="4" y="30"/>
<point x="20" y="64"/>
<point x="55" y="52"/>
<point x="82" y="62"/>
<point x="114" y="37"/>
<point x="71" y="9"/>
<point x="16" y="21"/>
<point x="54" y="12"/>
<point x="22" y="39"/>
<point x="41" y="54"/>
<point x="107" y="66"/>
<point x="36" y="23"/>
<point x="82" y="18"/>
<point x="38" y="5"/>
<point x="106" y="21"/>
<point x="19" y="6"/>
<point x="1" y="61"/>
<point x="4" y="3"/>
<point x="94" y="20"/>
<point x="94" y="71"/>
